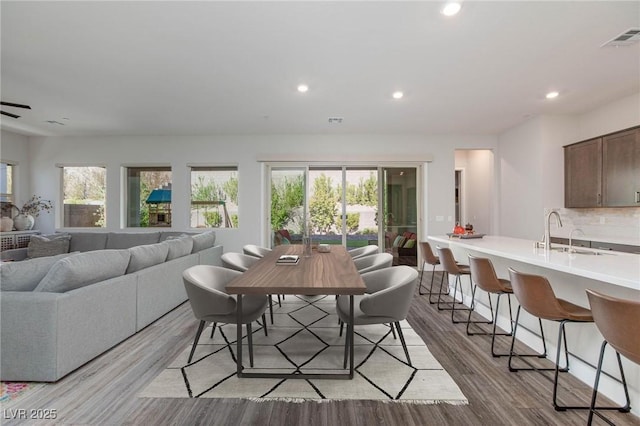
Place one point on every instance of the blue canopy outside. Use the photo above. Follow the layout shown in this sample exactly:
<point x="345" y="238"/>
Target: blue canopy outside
<point x="159" y="196"/>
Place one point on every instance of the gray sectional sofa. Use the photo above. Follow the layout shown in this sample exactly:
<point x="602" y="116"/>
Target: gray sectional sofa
<point x="59" y="312"/>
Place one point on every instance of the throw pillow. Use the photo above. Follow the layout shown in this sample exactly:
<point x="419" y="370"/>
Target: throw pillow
<point x="178" y="247"/>
<point x="83" y="269"/>
<point x="146" y="256"/>
<point x="40" y="246"/>
<point x="398" y="241"/>
<point x="25" y="275"/>
<point x="203" y="241"/>
<point x="410" y="244"/>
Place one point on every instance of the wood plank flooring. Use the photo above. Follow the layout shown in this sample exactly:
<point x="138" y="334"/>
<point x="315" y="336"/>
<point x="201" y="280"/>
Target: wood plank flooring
<point x="104" y="390"/>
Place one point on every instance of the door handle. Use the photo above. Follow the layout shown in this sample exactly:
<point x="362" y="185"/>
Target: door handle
<point x="637" y="196"/>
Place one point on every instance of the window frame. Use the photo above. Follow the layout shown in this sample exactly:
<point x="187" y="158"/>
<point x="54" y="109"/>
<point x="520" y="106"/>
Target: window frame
<point x="126" y="195"/>
<point x="61" y="209"/>
<point x="229" y="218"/>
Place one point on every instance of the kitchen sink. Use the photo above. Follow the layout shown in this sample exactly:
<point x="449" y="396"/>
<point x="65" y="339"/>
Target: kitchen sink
<point x="580" y="251"/>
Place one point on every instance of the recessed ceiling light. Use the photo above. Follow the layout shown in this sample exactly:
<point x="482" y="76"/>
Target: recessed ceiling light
<point x="397" y="95"/>
<point x="303" y="88"/>
<point x="451" y="8"/>
<point x="552" y="95"/>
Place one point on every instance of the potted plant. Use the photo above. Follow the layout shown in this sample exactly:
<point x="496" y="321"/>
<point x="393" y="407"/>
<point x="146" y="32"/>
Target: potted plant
<point x="25" y="218"/>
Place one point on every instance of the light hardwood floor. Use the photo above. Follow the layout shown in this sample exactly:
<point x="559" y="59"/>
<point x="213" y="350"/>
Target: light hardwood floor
<point x="103" y="392"/>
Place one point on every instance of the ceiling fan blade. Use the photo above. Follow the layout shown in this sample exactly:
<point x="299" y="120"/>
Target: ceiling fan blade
<point x="11" y="104"/>
<point x="9" y="114"/>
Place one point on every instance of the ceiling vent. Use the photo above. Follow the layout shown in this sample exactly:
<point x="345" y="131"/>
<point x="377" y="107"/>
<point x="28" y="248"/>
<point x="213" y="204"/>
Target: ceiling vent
<point x="335" y="120"/>
<point x="627" y="38"/>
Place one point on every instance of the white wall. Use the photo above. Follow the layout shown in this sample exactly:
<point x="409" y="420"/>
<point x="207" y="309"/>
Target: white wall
<point x="14" y="149"/>
<point x="530" y="164"/>
<point x="245" y="151"/>
<point x="478" y="191"/>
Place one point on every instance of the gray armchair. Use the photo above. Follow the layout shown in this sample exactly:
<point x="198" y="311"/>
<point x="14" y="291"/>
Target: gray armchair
<point x="242" y="262"/>
<point x="255" y="251"/>
<point x="364" y="251"/>
<point x="205" y="286"/>
<point x="388" y="297"/>
<point x="373" y="262"/>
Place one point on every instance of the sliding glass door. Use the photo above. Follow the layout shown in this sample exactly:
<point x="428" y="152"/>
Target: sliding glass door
<point x="342" y="205"/>
<point x="400" y="206"/>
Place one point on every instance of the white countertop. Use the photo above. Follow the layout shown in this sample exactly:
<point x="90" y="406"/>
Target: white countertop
<point x="617" y="268"/>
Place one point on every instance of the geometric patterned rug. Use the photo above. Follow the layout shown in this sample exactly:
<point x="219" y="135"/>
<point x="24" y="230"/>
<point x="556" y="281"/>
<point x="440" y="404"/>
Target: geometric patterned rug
<point x="305" y="337"/>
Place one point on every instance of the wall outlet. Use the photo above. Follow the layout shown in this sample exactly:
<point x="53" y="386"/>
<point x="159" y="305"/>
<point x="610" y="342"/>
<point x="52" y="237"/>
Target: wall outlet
<point x="439" y="218"/>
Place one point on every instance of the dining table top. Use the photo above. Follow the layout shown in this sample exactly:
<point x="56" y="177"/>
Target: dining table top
<point x="320" y="273"/>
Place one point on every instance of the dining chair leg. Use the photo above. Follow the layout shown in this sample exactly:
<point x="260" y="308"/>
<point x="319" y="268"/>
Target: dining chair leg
<point x="213" y="329"/>
<point x="195" y="341"/>
<point x="393" y="332"/>
<point x="341" y="326"/>
<point x="271" y="308"/>
<point x="404" y="344"/>
<point x="250" y="341"/>
<point x="264" y="324"/>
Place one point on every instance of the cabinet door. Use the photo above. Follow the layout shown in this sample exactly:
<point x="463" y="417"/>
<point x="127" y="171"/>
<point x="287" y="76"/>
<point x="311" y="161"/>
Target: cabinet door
<point x="621" y="169"/>
<point x="583" y="174"/>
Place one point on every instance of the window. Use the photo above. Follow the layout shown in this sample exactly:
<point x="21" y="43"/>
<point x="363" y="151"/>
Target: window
<point x="7" y="194"/>
<point x="148" y="196"/>
<point x="214" y="197"/>
<point x="84" y="195"/>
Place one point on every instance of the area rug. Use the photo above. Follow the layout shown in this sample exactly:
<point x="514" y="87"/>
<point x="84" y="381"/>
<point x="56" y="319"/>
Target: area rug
<point x="305" y="337"/>
<point x="10" y="391"/>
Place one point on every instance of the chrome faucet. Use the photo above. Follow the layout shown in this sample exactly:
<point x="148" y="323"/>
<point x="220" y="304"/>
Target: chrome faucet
<point x="571" y="250"/>
<point x="546" y="239"/>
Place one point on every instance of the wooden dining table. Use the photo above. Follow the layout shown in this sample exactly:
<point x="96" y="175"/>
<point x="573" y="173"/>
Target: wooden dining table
<point x="317" y="274"/>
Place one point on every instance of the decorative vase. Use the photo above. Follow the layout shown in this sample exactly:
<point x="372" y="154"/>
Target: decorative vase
<point x="23" y="222"/>
<point x="6" y="224"/>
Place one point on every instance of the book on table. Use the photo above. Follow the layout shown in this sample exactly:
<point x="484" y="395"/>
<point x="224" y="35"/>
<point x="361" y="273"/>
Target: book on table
<point x="288" y="259"/>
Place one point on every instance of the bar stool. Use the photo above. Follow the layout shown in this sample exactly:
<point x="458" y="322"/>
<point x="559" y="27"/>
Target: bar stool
<point x="431" y="259"/>
<point x="535" y="295"/>
<point x="483" y="275"/>
<point x="451" y="267"/>
<point x="619" y="322"/>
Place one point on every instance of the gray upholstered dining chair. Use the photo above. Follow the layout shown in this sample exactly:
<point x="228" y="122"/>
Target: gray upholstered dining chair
<point x="242" y="262"/>
<point x="374" y="262"/>
<point x="205" y="286"/>
<point x="363" y="251"/>
<point x="255" y="251"/>
<point x="388" y="297"/>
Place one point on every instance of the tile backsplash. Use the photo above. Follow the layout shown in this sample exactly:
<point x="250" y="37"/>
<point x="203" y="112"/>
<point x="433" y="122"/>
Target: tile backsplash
<point x="613" y="225"/>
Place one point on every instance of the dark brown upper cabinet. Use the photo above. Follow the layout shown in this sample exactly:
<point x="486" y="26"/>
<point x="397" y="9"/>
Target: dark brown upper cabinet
<point x="604" y="171"/>
<point x="621" y="169"/>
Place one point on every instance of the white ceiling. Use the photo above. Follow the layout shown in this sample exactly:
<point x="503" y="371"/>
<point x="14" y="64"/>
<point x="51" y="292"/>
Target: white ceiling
<point x="187" y="68"/>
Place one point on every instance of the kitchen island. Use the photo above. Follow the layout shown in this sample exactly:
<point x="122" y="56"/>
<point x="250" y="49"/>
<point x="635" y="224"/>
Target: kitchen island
<point x="570" y="274"/>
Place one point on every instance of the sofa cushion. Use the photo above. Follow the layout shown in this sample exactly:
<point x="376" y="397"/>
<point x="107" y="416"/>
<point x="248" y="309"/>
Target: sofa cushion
<point x="178" y="247"/>
<point x="123" y="240"/>
<point x="147" y="255"/>
<point x="25" y="275"/>
<point x="88" y="241"/>
<point x="169" y="235"/>
<point x="399" y="241"/>
<point x="203" y="241"/>
<point x="83" y="269"/>
<point x="40" y="246"/>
